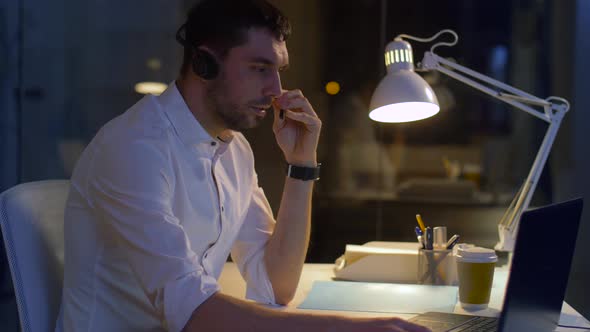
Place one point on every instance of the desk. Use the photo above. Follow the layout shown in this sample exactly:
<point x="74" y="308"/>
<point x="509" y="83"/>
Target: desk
<point x="232" y="284"/>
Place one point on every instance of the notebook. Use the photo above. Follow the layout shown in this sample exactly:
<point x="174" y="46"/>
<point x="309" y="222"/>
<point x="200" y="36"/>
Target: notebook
<point x="538" y="277"/>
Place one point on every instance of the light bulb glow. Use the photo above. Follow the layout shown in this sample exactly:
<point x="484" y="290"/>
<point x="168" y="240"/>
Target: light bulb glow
<point x="404" y="112"/>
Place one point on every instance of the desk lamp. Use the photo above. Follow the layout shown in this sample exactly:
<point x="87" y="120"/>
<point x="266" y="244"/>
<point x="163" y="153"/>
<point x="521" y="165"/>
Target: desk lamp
<point x="404" y="96"/>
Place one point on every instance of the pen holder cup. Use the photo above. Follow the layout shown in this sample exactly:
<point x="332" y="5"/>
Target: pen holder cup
<point x="437" y="267"/>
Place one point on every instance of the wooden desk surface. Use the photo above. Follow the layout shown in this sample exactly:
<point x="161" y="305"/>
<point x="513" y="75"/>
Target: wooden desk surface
<point x="232" y="284"/>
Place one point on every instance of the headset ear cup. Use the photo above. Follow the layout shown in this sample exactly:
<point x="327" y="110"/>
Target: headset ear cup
<point x="205" y="65"/>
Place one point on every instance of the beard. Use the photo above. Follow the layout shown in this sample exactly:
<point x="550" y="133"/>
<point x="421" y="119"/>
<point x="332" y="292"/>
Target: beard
<point x="235" y="116"/>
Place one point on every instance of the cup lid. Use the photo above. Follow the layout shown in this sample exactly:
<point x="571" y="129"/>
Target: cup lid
<point x="476" y="255"/>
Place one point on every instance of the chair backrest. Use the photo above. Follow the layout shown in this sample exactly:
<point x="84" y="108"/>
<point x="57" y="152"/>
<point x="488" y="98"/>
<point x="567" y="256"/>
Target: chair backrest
<point x="32" y="220"/>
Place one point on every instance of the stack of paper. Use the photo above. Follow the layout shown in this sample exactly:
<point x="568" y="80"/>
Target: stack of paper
<point x="379" y="262"/>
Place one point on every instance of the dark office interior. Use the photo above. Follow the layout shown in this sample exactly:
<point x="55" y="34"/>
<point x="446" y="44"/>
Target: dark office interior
<point x="67" y="67"/>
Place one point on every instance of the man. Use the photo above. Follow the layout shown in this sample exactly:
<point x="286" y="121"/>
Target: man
<point x="165" y="191"/>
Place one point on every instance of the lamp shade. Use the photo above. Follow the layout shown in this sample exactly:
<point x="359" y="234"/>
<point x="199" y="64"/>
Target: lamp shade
<point x="402" y="95"/>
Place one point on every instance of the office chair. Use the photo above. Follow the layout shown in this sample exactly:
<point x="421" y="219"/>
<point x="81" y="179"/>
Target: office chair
<point x="32" y="219"/>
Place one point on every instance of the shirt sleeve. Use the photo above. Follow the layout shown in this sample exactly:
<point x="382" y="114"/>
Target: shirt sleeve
<point x="131" y="190"/>
<point x="248" y="249"/>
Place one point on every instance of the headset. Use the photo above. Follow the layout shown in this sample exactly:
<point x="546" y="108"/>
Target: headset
<point x="203" y="62"/>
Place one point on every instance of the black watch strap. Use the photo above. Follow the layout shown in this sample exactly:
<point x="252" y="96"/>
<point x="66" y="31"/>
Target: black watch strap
<point x="303" y="173"/>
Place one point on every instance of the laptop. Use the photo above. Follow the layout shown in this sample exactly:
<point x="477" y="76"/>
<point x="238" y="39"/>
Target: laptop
<point x="538" y="276"/>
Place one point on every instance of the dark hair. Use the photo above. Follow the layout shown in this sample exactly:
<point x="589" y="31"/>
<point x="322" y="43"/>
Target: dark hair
<point x="223" y="24"/>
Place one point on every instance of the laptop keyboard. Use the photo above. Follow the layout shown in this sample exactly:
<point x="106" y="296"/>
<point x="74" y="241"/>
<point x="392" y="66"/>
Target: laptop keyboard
<point x="478" y="324"/>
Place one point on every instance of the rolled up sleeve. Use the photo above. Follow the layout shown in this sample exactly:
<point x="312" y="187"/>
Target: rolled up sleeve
<point x="248" y="250"/>
<point x="131" y="190"/>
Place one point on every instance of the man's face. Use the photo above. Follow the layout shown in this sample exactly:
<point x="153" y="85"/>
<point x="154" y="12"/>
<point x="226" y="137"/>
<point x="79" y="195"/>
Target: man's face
<point x="249" y="80"/>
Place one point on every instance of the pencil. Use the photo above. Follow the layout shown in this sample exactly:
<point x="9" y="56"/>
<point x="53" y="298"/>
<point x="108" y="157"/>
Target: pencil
<point x="421" y="223"/>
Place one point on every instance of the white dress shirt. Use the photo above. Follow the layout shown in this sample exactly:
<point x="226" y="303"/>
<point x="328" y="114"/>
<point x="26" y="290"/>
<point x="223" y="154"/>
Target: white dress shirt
<point x="155" y="207"/>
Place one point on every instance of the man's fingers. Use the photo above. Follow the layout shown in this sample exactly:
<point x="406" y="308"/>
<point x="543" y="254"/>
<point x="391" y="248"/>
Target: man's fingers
<point x="296" y="110"/>
<point x="295" y="99"/>
<point x="288" y="94"/>
<point x="410" y="327"/>
<point x="305" y="118"/>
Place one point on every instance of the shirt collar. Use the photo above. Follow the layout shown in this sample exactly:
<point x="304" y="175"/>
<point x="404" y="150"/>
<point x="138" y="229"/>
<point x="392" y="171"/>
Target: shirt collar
<point x="184" y="122"/>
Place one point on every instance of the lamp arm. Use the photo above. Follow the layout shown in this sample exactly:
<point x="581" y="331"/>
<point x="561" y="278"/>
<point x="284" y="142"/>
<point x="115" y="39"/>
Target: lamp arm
<point x="492" y="87"/>
<point x="552" y="113"/>
<point x="508" y="225"/>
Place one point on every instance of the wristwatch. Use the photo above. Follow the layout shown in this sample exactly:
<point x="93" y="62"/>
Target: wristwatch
<point x="303" y="173"/>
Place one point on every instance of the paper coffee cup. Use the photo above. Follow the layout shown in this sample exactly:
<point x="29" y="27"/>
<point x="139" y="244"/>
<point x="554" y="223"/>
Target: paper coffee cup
<point x="475" y="269"/>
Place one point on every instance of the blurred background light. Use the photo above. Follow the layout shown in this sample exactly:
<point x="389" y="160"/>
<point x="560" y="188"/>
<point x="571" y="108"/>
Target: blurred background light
<point x="332" y="88"/>
<point x="154" y="88"/>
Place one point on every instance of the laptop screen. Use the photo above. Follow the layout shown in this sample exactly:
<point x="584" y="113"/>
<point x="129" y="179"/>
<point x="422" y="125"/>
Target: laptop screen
<point x="540" y="267"/>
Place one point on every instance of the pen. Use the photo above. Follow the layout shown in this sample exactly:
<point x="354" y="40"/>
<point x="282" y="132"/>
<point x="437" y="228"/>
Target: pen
<point x="452" y="241"/>
<point x="429" y="238"/>
<point x="421" y="241"/>
<point x="419" y="236"/>
<point x="420" y="223"/>
<point x="418" y="231"/>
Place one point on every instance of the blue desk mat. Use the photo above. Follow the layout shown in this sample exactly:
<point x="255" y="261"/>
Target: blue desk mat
<point x="380" y="297"/>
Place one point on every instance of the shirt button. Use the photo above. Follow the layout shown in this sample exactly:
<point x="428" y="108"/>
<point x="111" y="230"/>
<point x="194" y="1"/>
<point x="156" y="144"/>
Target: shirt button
<point x="213" y="143"/>
<point x="222" y="209"/>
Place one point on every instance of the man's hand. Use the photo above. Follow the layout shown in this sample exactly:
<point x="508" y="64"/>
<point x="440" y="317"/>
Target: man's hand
<point x="298" y="131"/>
<point x="379" y="325"/>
